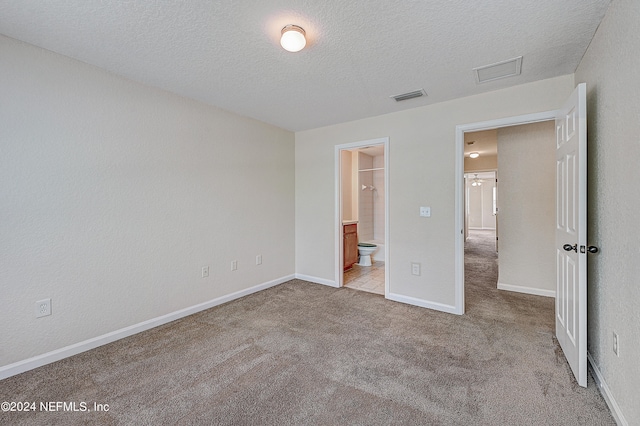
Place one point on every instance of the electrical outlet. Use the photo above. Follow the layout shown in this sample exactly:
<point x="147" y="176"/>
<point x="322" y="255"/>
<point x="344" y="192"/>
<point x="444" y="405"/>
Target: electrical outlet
<point x="616" y="344"/>
<point x="415" y="268"/>
<point x="43" y="308"/>
<point x="259" y="259"/>
<point x="205" y="271"/>
<point x="234" y="265"/>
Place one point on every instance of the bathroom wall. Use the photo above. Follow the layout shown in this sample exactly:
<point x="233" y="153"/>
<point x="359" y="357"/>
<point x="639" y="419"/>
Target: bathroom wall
<point x="365" y="202"/>
<point x="346" y="175"/>
<point x="378" y="199"/>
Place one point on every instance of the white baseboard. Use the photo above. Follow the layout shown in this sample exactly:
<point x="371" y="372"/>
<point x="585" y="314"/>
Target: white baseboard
<point x="606" y="393"/>
<point x="76" y="348"/>
<point x="422" y="303"/>
<point x="324" y="281"/>
<point x="527" y="290"/>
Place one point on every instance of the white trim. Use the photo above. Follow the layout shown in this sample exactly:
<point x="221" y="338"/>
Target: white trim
<point x="459" y="189"/>
<point x="421" y="303"/>
<point x="317" y="280"/>
<point x="338" y="249"/>
<point x="76" y="348"/>
<point x="527" y="290"/>
<point x="606" y="393"/>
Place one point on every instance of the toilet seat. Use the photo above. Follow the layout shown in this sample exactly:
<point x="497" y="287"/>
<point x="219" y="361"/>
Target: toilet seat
<point x="365" y="250"/>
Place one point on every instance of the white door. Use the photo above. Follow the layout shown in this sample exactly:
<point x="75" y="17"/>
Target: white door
<point x="571" y="232"/>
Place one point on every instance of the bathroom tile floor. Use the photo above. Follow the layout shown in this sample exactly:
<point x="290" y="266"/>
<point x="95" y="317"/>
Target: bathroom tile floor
<point x="366" y="278"/>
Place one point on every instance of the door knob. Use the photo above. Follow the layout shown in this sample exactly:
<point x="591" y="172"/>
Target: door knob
<point x="593" y="249"/>
<point x="569" y="247"/>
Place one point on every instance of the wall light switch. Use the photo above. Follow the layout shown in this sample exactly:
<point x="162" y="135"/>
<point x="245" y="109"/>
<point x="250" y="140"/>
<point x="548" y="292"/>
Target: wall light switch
<point x="425" y="211"/>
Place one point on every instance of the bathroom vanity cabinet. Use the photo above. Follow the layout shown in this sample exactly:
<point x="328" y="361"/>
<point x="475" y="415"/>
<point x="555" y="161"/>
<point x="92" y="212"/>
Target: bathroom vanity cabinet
<point x="350" y="245"/>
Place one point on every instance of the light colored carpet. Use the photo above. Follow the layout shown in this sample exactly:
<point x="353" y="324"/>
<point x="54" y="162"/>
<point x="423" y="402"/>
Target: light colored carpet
<point x="303" y="353"/>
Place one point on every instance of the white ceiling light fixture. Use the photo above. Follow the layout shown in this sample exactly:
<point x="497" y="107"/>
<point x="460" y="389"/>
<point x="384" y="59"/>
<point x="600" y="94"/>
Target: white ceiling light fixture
<point x="293" y="38"/>
<point x="474" y="155"/>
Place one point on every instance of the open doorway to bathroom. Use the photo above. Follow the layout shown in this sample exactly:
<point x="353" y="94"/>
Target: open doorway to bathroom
<point x="362" y="222"/>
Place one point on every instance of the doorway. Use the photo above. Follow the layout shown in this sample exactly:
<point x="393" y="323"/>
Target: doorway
<point x="481" y="231"/>
<point x="526" y="163"/>
<point x="362" y="211"/>
<point x="570" y="218"/>
<point x="460" y="220"/>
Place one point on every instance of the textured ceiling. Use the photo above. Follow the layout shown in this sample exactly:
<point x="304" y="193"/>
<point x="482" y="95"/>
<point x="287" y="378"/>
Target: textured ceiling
<point x="360" y="52"/>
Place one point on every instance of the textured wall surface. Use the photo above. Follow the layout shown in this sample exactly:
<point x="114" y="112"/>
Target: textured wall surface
<point x="610" y="69"/>
<point x="526" y="205"/>
<point x="114" y="195"/>
<point x="421" y="173"/>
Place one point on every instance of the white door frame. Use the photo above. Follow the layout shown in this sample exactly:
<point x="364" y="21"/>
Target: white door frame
<point x="339" y="257"/>
<point x="459" y="189"/>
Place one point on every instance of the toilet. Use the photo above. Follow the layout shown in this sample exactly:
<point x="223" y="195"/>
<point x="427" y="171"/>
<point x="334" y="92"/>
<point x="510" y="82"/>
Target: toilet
<point x="366" y="250"/>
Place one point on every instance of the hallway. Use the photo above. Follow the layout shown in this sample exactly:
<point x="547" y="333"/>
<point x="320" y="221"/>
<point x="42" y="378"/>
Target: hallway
<point x="482" y="297"/>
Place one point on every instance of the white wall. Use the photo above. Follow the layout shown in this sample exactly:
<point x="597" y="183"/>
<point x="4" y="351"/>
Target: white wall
<point x="610" y="69"/>
<point x="526" y="208"/>
<point x="113" y="195"/>
<point x="479" y="202"/>
<point x="421" y="173"/>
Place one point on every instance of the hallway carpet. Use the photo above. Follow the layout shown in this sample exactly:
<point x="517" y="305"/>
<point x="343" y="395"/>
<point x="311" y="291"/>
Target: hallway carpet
<point x="302" y="353"/>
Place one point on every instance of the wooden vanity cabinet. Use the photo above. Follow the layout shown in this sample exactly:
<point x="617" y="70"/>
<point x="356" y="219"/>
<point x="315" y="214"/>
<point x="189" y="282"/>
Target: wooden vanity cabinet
<point x="350" y="245"/>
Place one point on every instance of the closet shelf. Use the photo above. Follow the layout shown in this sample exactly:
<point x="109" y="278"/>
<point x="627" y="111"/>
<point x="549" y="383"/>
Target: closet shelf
<point x="371" y="170"/>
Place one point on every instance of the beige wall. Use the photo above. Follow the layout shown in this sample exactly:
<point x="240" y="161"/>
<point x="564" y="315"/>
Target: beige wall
<point x="346" y="162"/>
<point x="610" y="69"/>
<point x="421" y="173"/>
<point x="114" y="195"/>
<point x="526" y="208"/>
<point x="481" y="164"/>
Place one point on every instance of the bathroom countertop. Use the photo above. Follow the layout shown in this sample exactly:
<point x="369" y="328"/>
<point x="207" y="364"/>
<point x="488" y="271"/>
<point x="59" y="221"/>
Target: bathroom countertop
<point x="349" y="222"/>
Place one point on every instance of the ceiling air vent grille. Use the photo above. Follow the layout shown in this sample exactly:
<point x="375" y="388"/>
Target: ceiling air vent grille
<point x="409" y="95"/>
<point x="508" y="68"/>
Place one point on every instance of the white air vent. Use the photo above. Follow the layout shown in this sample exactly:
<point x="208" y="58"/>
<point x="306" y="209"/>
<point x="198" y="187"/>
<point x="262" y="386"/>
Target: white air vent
<point x="409" y="95"/>
<point x="498" y="70"/>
